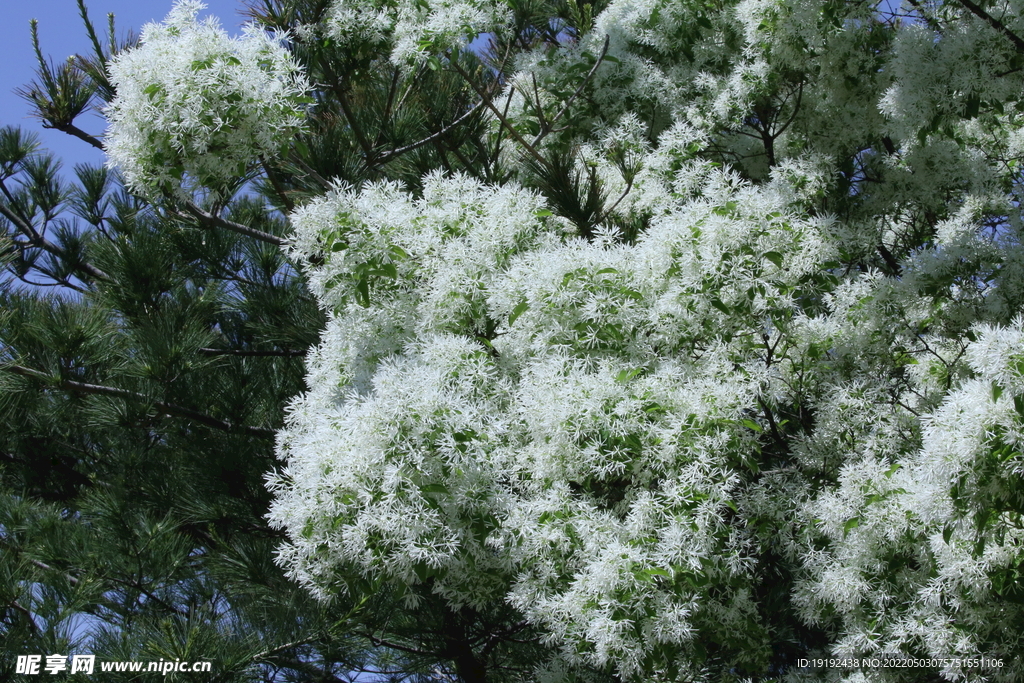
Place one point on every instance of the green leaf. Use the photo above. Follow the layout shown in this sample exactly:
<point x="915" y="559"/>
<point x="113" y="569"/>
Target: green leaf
<point x="997" y="391"/>
<point x="972" y="106"/>
<point x="750" y="424"/>
<point x="631" y="294"/>
<point x="626" y="375"/>
<point x="851" y="524"/>
<point x="775" y="257"/>
<point x="435" y="488"/>
<point x="720" y="305"/>
<point x="518" y="311"/>
<point x="363" y="292"/>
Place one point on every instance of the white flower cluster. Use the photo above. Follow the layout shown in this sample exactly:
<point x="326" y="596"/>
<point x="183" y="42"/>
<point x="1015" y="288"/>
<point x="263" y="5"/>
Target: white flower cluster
<point x="941" y="524"/>
<point x="499" y="411"/>
<point x="411" y="29"/>
<point x="195" y="108"/>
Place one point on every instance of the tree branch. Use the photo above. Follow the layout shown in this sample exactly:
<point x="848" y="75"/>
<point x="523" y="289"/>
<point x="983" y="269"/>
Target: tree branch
<point x="41" y="242"/>
<point x="339" y="92"/>
<point x="167" y="408"/>
<point x="380" y="642"/>
<point x="487" y="100"/>
<point x="244" y="352"/>
<point x="28" y="615"/>
<point x="42" y="565"/>
<point x="75" y="131"/>
<point x="994" y="23"/>
<point x="388" y="156"/>
<point x="544" y="132"/>
<point x="281" y="648"/>
<point x="213" y="221"/>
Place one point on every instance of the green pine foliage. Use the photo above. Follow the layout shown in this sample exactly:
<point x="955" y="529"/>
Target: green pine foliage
<point x="148" y="351"/>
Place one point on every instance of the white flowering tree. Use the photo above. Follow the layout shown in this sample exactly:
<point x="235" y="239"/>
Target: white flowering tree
<point x="680" y="339"/>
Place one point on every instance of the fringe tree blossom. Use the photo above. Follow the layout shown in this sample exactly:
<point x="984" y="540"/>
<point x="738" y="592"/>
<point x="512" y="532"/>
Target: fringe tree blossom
<point x="502" y="411"/>
<point x="412" y="30"/>
<point x="195" y="108"/>
<point x="630" y="437"/>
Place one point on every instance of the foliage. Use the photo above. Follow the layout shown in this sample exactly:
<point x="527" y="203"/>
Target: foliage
<point x="662" y="341"/>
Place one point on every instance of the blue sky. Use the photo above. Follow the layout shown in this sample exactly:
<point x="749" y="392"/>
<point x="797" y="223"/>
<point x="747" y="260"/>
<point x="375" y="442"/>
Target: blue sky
<point x="61" y="34"/>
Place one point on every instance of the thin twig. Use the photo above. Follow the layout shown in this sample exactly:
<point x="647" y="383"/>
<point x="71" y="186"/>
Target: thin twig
<point x="388" y="156"/>
<point x="244" y="352"/>
<point x="45" y="567"/>
<point x="568" y="102"/>
<point x="488" y="101"/>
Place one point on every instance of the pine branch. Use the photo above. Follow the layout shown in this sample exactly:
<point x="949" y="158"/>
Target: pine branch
<point x="380" y="642"/>
<point x="288" y="353"/>
<point x="364" y="142"/>
<point x="213" y="221"/>
<point x="37" y="240"/>
<point x="289" y="205"/>
<point x="388" y="156"/>
<point x="45" y="567"/>
<point x="137" y="586"/>
<point x="75" y="131"/>
<point x="167" y="408"/>
<point x="282" y="648"/>
<point x="506" y="124"/>
<point x="28" y="615"/>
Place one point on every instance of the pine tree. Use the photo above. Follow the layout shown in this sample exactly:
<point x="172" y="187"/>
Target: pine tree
<point x="149" y="347"/>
